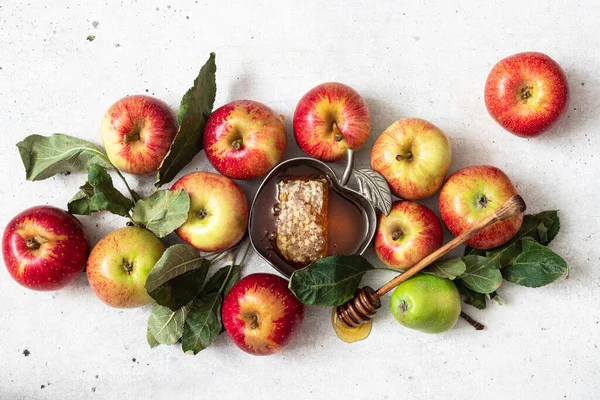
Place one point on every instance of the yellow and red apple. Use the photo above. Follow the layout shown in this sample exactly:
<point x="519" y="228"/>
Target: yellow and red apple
<point x="244" y="139"/>
<point x="119" y="265"/>
<point x="408" y="234"/>
<point x="527" y="93"/>
<point x="261" y="314"/>
<point x="413" y="155"/>
<point x="44" y="248"/>
<point x="218" y="215"/>
<point x="137" y="132"/>
<point x="470" y="195"/>
<point x="329" y="119"/>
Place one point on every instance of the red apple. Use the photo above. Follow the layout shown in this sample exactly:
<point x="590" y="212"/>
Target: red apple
<point x="527" y="93"/>
<point x="330" y="119"/>
<point x="407" y="235"/>
<point x="119" y="265"/>
<point x="470" y="195"/>
<point x="244" y="139"/>
<point x="44" y="248"/>
<point x="218" y="215"/>
<point x="137" y="132"/>
<point x="413" y="155"/>
<point x="261" y="315"/>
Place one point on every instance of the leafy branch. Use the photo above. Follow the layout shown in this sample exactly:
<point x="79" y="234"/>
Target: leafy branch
<point x="333" y="280"/>
<point x="188" y="309"/>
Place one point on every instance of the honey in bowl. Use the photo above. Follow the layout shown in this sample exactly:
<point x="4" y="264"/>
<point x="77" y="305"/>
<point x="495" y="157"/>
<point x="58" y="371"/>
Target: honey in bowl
<point x="345" y="223"/>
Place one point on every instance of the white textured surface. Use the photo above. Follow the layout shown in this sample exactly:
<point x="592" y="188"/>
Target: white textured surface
<point x="407" y="59"/>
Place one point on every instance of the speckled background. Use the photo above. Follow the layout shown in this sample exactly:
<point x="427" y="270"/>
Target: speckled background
<point x="420" y="59"/>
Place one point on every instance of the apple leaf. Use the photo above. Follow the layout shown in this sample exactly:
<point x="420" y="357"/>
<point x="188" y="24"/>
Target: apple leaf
<point x="99" y="194"/>
<point x="495" y="297"/>
<point x="46" y="156"/>
<point x="165" y="326"/>
<point x="203" y="323"/>
<point x="177" y="277"/>
<point x="80" y="203"/>
<point x="448" y="269"/>
<point x="482" y="275"/>
<point x="162" y="212"/>
<point x="224" y="278"/>
<point x="176" y="260"/>
<point x="329" y="281"/>
<point x="536" y="266"/>
<point x="542" y="227"/>
<point x="472" y="298"/>
<point x="194" y="110"/>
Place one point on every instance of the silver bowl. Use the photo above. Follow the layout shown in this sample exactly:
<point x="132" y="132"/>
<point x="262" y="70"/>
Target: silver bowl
<point x="373" y="194"/>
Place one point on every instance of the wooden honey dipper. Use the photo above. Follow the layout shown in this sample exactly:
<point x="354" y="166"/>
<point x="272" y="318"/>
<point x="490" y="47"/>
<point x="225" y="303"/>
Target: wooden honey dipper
<point x="365" y="303"/>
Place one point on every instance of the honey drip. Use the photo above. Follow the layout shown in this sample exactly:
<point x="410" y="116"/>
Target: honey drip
<point x="347" y="334"/>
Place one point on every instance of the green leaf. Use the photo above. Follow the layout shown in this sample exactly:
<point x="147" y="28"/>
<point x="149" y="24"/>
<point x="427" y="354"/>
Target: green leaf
<point x="449" y="269"/>
<point x="482" y="275"/>
<point x="542" y="227"/>
<point x="99" y="194"/>
<point x="46" y="156"/>
<point x="473" y="298"/>
<point x="203" y="323"/>
<point x="471" y="251"/>
<point x="80" y="203"/>
<point x="194" y="110"/>
<point x="162" y="212"/>
<point x="536" y="266"/>
<point x="177" y="277"/>
<point x="224" y="278"/>
<point x="165" y="326"/>
<point x="495" y="297"/>
<point x="329" y="281"/>
<point x="152" y="342"/>
<point x="176" y="260"/>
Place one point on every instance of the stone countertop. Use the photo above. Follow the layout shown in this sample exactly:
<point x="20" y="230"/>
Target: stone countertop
<point x="411" y="59"/>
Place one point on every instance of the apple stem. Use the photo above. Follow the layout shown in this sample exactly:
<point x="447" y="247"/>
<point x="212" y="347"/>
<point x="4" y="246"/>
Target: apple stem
<point x="254" y="322"/>
<point x="133" y="197"/>
<point x="477" y="325"/>
<point x="237" y="144"/>
<point x="406" y="156"/>
<point x="34" y="243"/>
<point x="132" y="137"/>
<point x="337" y="135"/>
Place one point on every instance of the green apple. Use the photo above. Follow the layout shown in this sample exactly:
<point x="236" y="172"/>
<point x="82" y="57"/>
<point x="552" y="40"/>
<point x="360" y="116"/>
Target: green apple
<point x="426" y="303"/>
<point x="413" y="155"/>
<point x="119" y="265"/>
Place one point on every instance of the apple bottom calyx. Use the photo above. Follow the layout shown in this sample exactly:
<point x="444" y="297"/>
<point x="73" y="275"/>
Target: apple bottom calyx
<point x="127" y="266"/>
<point x="34" y="243"/>
<point x="526" y="93"/>
<point x="203" y="214"/>
<point x="483" y="201"/>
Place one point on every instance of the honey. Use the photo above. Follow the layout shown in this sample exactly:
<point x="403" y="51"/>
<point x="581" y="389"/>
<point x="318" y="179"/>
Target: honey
<point x="347" y="334"/>
<point x="346" y="222"/>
